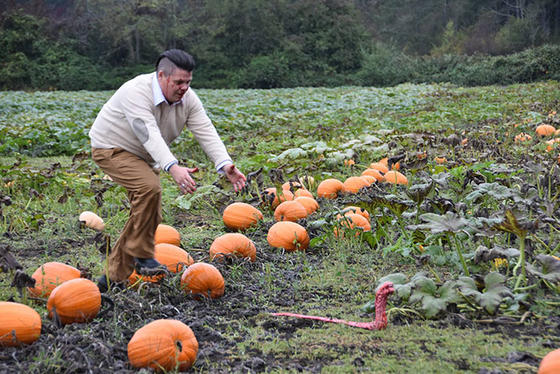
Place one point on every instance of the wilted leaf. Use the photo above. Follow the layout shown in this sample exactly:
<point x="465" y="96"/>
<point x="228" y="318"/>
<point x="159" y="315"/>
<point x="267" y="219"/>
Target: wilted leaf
<point x="495" y="292"/>
<point x="549" y="268"/>
<point x="484" y="254"/>
<point x="495" y="190"/>
<point x="449" y="222"/>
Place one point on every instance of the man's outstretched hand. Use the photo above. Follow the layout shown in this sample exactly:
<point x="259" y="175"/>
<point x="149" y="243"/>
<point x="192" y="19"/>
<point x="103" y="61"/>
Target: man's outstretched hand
<point x="182" y="177"/>
<point x="236" y="177"/>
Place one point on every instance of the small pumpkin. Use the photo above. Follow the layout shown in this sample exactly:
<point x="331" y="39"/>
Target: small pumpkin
<point x="233" y="244"/>
<point x="20" y="324"/>
<point x="241" y="216"/>
<point x="49" y="275"/>
<point x="379" y="166"/>
<point x="551" y="144"/>
<point x="438" y="160"/>
<point x="163" y="344"/>
<point x="354" y="184"/>
<point x="351" y="221"/>
<point x="545" y="130"/>
<point x="172" y="256"/>
<point x="91" y="220"/>
<point x="291" y="185"/>
<point x="273" y="199"/>
<point x="395" y="177"/>
<point x="357" y="210"/>
<point x="76" y="300"/>
<point x="522" y="137"/>
<point x="302" y="192"/>
<point x="374" y="173"/>
<point x="349" y="162"/>
<point x="550" y="364"/>
<point x="329" y="188"/>
<point x="203" y="279"/>
<point x="288" y="235"/>
<point x="167" y="234"/>
<point x="290" y="211"/>
<point x="310" y="204"/>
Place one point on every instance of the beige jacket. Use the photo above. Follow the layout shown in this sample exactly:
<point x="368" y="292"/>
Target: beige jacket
<point x="138" y="119"/>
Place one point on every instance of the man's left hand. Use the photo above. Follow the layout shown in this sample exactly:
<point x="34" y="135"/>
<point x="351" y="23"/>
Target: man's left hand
<point x="236" y="177"/>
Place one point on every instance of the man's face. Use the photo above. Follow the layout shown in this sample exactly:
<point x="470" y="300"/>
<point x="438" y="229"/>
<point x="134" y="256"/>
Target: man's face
<point x="175" y="85"/>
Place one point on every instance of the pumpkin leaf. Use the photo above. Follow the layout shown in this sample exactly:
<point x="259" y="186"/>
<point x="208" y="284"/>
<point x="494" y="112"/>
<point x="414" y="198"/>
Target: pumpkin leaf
<point x="510" y="224"/>
<point x="549" y="268"/>
<point x="494" y="190"/>
<point x="436" y="223"/>
<point x="433" y="300"/>
<point x="495" y="292"/>
<point x="418" y="192"/>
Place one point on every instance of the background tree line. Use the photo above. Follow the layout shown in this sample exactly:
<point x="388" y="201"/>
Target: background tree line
<point x="98" y="44"/>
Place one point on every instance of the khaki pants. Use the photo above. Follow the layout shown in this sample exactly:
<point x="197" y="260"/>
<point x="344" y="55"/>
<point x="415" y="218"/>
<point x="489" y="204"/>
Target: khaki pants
<point x="144" y="193"/>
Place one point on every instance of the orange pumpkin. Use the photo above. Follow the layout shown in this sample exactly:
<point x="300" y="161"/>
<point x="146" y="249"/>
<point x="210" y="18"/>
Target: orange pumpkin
<point x="329" y="188"/>
<point x="310" y="204"/>
<point x="545" y="130"/>
<point x="233" y="244"/>
<point x="379" y="166"/>
<point x="354" y="184"/>
<point x="172" y="256"/>
<point x="438" y="160"/>
<point x="351" y="221"/>
<point x="20" y="324"/>
<point x="357" y="210"/>
<point x="369" y="179"/>
<point x="395" y="177"/>
<point x="303" y="192"/>
<point x="241" y="216"/>
<point x="203" y="279"/>
<point x="76" y="300"/>
<point x="163" y="344"/>
<point x="349" y="162"/>
<point x="291" y="185"/>
<point x="374" y="173"/>
<point x="51" y="274"/>
<point x="550" y="363"/>
<point x="274" y="199"/>
<point x="522" y="137"/>
<point x="167" y="234"/>
<point x="288" y="235"/>
<point x="290" y="211"/>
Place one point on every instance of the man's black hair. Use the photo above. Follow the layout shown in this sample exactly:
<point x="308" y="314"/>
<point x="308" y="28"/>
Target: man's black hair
<point x="180" y="58"/>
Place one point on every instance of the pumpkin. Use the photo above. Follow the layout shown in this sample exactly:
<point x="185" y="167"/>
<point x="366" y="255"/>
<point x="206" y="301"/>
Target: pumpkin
<point x="550" y="364"/>
<point x="203" y="279"/>
<point x="241" y="216"/>
<point x="465" y="141"/>
<point x="522" y="137"/>
<point x="20" y="324"/>
<point x="135" y="279"/>
<point x="384" y="161"/>
<point x="357" y="210"/>
<point x="349" y="162"/>
<point x="421" y="155"/>
<point x="302" y="192"/>
<point x="291" y="185"/>
<point x="309" y="203"/>
<point x="51" y="274"/>
<point x="438" y="160"/>
<point x="374" y="173"/>
<point x="274" y="199"/>
<point x="351" y="221"/>
<point x="288" y="235"/>
<point x="233" y="244"/>
<point x="545" y="130"/>
<point x="329" y="188"/>
<point x="76" y="300"/>
<point x="167" y="234"/>
<point x="290" y="211"/>
<point x="395" y="177"/>
<point x="172" y="256"/>
<point x="163" y="344"/>
<point x="91" y="220"/>
<point x="551" y="144"/>
<point x="379" y="166"/>
<point x="354" y="184"/>
<point x="369" y="179"/>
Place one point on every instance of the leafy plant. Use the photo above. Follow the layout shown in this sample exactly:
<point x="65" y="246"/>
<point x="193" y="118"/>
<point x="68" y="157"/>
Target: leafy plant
<point x="493" y="294"/>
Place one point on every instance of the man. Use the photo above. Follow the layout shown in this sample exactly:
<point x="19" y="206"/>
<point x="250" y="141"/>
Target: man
<point x="130" y="141"/>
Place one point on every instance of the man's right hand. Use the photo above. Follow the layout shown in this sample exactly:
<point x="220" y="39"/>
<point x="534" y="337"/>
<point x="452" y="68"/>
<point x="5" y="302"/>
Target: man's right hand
<point x="182" y="177"/>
